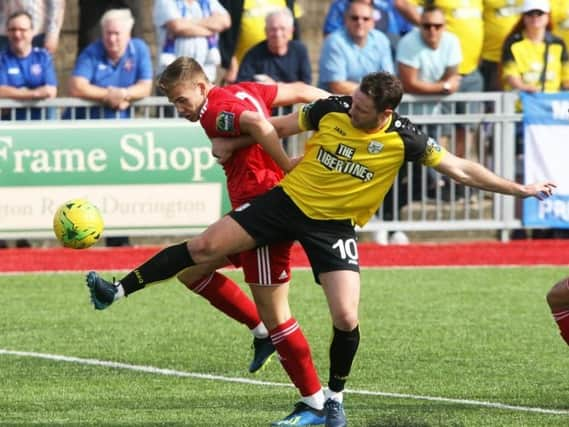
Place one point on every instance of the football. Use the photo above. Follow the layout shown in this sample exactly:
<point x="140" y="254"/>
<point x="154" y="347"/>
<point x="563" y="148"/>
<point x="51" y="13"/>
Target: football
<point x="78" y="224"/>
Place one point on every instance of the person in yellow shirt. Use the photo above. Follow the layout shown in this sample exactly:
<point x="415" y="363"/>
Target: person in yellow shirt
<point x="500" y="16"/>
<point x="531" y="42"/>
<point x="533" y="60"/>
<point x="248" y="29"/>
<point x="358" y="145"/>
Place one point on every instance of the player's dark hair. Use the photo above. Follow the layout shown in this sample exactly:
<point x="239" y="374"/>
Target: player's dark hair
<point x="385" y="89"/>
<point x="182" y="69"/>
<point x="19" y="13"/>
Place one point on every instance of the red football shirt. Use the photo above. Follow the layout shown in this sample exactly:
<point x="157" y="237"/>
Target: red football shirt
<point x="250" y="171"/>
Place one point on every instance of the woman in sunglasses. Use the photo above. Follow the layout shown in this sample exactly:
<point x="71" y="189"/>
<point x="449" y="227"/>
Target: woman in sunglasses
<point x="533" y="59"/>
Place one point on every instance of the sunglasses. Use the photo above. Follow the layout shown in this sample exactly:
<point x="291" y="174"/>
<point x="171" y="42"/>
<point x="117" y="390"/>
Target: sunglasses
<point x="427" y="26"/>
<point x="536" y="12"/>
<point x="356" y="18"/>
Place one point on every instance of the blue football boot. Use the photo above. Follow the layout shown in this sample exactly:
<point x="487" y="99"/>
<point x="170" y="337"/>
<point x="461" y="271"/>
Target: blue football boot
<point x="263" y="349"/>
<point x="102" y="292"/>
<point x="335" y="415"/>
<point x="302" y="415"/>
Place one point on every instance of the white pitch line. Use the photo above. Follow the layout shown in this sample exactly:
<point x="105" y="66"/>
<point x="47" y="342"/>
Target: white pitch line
<point x="176" y="373"/>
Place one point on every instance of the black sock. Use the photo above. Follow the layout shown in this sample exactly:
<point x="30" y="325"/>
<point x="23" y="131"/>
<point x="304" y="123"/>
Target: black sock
<point x="165" y="264"/>
<point x="342" y="353"/>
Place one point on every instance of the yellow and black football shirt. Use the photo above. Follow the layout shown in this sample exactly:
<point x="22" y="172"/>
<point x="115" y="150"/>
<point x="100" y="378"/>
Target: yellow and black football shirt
<point x="523" y="58"/>
<point x="346" y="172"/>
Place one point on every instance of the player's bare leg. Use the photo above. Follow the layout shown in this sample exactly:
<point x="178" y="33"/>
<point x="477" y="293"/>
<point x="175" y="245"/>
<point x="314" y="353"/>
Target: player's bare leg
<point x="342" y="290"/>
<point x="222" y="238"/>
<point x="558" y="300"/>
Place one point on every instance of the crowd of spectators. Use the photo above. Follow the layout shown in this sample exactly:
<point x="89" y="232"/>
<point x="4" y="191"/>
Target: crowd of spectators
<point x="435" y="46"/>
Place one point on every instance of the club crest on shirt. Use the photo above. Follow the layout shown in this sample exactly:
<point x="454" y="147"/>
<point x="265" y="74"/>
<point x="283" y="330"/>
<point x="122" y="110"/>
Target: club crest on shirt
<point x="374" y="147"/>
<point x="128" y="65"/>
<point x="225" y="122"/>
<point x="433" y="145"/>
<point x="35" y="69"/>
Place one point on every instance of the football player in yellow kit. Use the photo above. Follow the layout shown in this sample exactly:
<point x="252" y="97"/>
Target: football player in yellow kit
<point x="351" y="160"/>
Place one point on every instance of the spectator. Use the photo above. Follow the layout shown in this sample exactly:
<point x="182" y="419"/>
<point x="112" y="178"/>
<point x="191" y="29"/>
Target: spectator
<point x="524" y="68"/>
<point x="115" y="70"/>
<point x="464" y="19"/>
<point x="90" y="13"/>
<point x="247" y="29"/>
<point x="190" y="28"/>
<point x="531" y="41"/>
<point x="392" y="17"/>
<point x="26" y="74"/>
<point x="278" y="58"/>
<point x="427" y="62"/>
<point x="500" y="16"/>
<point x="351" y="52"/>
<point x="47" y="19"/>
<point x="428" y="57"/>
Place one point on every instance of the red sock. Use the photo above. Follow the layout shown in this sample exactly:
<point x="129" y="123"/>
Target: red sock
<point x="561" y="316"/>
<point x="225" y="295"/>
<point x="294" y="354"/>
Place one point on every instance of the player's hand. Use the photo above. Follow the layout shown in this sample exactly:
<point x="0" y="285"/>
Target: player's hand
<point x="541" y="190"/>
<point x="123" y="105"/>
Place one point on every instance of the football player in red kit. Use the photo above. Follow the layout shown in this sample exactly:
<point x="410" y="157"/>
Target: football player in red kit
<point x="234" y="111"/>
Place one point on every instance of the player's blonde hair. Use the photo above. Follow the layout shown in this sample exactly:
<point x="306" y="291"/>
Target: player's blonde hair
<point x="183" y="69"/>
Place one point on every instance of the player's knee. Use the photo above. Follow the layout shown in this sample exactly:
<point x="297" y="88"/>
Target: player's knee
<point x="202" y="248"/>
<point x="345" y="320"/>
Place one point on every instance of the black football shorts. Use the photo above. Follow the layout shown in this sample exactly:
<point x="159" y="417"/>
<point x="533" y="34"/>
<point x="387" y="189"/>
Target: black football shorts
<point x="273" y="217"/>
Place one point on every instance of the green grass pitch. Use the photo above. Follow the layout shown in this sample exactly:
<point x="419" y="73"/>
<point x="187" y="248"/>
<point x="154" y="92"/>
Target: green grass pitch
<point x="482" y="339"/>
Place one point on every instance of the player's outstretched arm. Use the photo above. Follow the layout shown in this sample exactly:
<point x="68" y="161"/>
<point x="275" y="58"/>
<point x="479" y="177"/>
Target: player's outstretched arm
<point x="475" y="175"/>
<point x="298" y="92"/>
<point x="286" y="125"/>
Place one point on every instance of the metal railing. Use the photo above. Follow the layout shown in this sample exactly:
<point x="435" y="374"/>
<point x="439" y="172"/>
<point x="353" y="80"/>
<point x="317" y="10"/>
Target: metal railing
<point x="480" y="126"/>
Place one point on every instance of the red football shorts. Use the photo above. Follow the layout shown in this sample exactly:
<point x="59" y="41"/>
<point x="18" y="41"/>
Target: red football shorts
<point x="266" y="265"/>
